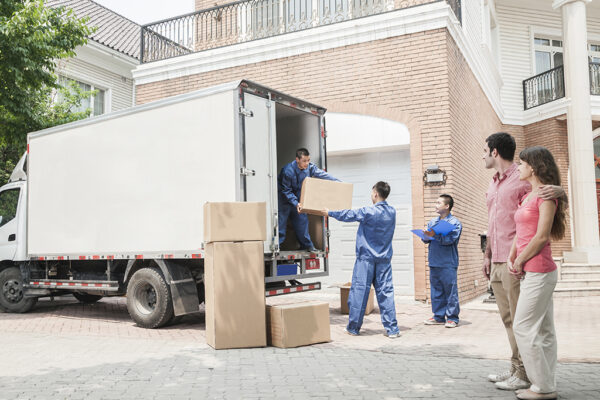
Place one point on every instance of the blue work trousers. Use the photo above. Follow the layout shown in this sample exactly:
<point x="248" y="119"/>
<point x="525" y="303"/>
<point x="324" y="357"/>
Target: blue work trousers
<point x="444" y="294"/>
<point x="299" y="222"/>
<point x="379" y="274"/>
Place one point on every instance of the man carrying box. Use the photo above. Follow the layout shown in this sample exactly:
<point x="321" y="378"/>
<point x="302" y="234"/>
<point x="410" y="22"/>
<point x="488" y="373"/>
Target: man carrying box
<point x="443" y="265"/>
<point x="373" y="260"/>
<point x="289" y="184"/>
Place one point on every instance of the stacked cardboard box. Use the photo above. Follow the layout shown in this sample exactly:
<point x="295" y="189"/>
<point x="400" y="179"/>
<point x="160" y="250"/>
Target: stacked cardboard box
<point x="234" y="274"/>
<point x="298" y="324"/>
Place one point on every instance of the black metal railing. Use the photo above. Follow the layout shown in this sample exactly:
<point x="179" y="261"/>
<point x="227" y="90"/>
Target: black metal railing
<point x="550" y="85"/>
<point x="595" y="78"/>
<point x="544" y="88"/>
<point x="247" y="20"/>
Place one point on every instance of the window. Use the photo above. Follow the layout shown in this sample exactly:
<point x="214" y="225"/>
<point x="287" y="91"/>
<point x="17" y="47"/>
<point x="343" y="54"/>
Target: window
<point x="548" y="54"/>
<point x="96" y="102"/>
<point x="9" y="199"/>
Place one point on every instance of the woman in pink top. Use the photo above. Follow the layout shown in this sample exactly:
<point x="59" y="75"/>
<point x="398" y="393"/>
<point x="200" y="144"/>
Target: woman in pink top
<point x="530" y="259"/>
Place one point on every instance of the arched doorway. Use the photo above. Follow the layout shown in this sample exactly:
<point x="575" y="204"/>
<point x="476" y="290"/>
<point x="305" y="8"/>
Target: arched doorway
<point x="363" y="149"/>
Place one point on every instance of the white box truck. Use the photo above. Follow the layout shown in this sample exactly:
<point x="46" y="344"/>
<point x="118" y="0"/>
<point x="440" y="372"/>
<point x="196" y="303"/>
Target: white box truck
<point x="113" y="205"/>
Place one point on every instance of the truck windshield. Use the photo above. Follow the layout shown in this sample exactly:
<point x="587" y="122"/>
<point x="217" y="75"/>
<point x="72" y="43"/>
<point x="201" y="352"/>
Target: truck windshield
<point x="9" y="199"/>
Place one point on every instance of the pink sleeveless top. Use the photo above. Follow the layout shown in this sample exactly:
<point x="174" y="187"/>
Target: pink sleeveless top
<point x="526" y="220"/>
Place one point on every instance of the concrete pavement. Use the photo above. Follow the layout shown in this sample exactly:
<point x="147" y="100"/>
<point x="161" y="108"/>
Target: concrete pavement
<point x="64" y="350"/>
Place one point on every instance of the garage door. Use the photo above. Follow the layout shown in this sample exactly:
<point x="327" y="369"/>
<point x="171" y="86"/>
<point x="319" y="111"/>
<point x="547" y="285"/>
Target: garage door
<point x="364" y="169"/>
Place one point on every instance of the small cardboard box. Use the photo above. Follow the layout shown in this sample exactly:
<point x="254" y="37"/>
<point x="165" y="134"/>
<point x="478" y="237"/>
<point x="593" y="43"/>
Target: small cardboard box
<point x="235" y="295"/>
<point x="235" y="221"/>
<point x="298" y="324"/>
<point x="345" y="291"/>
<point x="318" y="194"/>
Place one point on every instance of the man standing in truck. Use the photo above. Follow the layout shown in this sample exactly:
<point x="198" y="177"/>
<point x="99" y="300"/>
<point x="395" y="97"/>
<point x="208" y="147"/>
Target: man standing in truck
<point x="289" y="184"/>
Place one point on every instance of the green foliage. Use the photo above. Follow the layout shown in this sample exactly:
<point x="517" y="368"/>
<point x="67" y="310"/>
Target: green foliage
<point x="32" y="39"/>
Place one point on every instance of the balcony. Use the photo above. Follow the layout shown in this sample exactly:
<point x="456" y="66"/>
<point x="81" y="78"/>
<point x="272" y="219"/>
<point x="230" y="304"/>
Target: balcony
<point x="247" y="20"/>
<point x="550" y="85"/>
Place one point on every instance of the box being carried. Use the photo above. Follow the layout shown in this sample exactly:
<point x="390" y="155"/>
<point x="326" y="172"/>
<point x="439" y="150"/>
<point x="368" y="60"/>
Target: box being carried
<point x="298" y="324"/>
<point x="318" y="194"/>
<point x="235" y="221"/>
<point x="345" y="291"/>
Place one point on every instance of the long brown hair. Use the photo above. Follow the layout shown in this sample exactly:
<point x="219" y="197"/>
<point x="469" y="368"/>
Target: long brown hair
<point x="544" y="167"/>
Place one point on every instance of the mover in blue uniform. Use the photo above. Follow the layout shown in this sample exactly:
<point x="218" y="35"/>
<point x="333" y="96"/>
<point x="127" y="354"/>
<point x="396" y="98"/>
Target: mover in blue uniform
<point x="443" y="265"/>
<point x="373" y="260"/>
<point x="289" y="184"/>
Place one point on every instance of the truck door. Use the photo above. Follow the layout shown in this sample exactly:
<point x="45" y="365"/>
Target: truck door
<point x="260" y="164"/>
<point x="9" y="201"/>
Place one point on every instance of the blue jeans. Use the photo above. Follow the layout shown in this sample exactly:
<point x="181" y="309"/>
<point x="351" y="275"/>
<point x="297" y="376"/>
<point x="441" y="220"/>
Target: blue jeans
<point x="444" y="294"/>
<point x="379" y="274"/>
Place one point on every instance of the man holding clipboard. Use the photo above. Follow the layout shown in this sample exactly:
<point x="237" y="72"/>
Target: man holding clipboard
<point x="442" y="235"/>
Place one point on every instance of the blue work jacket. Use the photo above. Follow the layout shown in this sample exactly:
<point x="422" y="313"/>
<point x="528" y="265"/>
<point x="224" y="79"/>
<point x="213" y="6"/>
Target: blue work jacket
<point x="443" y="250"/>
<point x="291" y="177"/>
<point x="375" y="232"/>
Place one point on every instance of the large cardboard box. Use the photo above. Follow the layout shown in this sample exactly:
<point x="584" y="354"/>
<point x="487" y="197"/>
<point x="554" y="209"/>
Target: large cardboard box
<point x="318" y="194"/>
<point x="234" y="276"/>
<point x="345" y="291"/>
<point x="298" y="324"/>
<point x="235" y="221"/>
<point x="315" y="230"/>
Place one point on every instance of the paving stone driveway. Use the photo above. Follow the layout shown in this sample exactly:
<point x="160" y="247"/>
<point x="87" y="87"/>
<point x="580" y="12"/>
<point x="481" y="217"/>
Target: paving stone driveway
<point x="65" y="350"/>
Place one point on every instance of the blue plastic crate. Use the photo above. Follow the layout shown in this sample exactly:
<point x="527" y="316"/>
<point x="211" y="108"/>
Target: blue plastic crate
<point x="287" y="269"/>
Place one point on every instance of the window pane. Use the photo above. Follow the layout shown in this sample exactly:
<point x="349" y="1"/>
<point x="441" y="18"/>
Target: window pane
<point x="544" y="42"/>
<point x="99" y="102"/>
<point x="558" y="59"/>
<point x="8" y="205"/>
<point x="595" y="47"/>
<point x="596" y="153"/>
<point x="557" y="43"/>
<point x="542" y="61"/>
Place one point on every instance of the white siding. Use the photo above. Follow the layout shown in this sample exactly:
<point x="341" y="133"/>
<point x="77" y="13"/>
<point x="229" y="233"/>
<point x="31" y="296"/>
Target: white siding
<point x="517" y="26"/>
<point x="119" y="89"/>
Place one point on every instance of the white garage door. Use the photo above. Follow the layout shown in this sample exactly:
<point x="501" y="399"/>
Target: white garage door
<point x="364" y="170"/>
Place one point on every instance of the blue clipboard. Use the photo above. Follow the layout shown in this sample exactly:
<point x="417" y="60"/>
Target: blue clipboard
<point x="420" y="234"/>
<point x="443" y="227"/>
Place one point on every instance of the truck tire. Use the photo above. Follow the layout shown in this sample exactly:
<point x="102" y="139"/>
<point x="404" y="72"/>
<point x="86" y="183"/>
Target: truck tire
<point x="87" y="298"/>
<point x="149" y="299"/>
<point x="12" y="298"/>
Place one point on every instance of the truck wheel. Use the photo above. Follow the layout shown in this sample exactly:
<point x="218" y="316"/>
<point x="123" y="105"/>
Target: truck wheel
<point x="12" y="298"/>
<point x="87" y="298"/>
<point x="149" y="299"/>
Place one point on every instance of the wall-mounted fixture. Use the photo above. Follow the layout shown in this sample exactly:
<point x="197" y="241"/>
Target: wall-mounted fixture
<point x="434" y="176"/>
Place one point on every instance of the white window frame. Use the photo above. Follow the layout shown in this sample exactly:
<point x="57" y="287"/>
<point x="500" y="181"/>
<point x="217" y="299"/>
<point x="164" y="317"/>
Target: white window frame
<point x="93" y="86"/>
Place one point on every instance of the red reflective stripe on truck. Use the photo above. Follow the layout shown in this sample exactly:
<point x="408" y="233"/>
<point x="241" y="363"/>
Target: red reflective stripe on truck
<point x="60" y="257"/>
<point x="41" y="258"/>
<point x="139" y="256"/>
<point x="82" y="257"/>
<point x="95" y="257"/>
<point x="196" y="255"/>
<point x="110" y="257"/>
<point x="323" y="132"/>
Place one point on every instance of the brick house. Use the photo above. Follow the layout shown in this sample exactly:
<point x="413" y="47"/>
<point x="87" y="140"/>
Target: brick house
<point x="408" y="84"/>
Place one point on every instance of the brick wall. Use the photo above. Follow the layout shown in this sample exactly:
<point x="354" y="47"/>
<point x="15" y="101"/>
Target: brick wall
<point x="471" y="119"/>
<point x="420" y="77"/>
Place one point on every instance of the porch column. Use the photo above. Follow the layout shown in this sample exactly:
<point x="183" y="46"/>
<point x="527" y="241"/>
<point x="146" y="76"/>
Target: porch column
<point x="584" y="210"/>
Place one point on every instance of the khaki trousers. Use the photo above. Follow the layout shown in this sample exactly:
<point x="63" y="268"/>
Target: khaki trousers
<point x="506" y="291"/>
<point x="534" y="329"/>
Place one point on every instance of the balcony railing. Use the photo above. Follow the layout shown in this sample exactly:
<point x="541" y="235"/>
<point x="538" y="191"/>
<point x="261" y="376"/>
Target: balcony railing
<point x="550" y="85"/>
<point x="247" y="20"/>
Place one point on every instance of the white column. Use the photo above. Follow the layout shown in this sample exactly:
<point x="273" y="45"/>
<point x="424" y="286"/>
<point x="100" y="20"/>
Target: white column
<point x="584" y="210"/>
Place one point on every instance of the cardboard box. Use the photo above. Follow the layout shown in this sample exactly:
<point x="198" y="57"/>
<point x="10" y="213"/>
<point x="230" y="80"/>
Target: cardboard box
<point x="298" y="324"/>
<point x="318" y="194"/>
<point x="345" y="291"/>
<point x="235" y="221"/>
<point x="234" y="276"/>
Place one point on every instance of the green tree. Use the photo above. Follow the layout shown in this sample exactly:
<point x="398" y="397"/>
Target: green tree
<point x="32" y="39"/>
